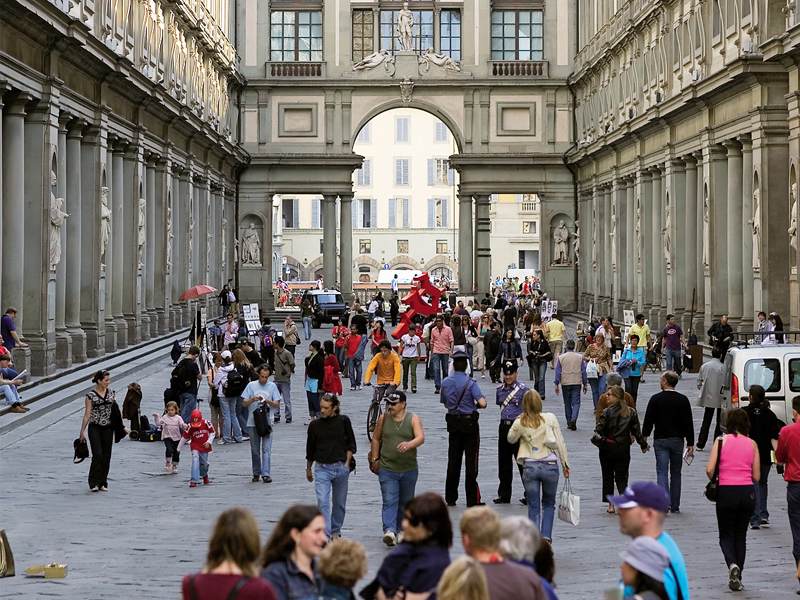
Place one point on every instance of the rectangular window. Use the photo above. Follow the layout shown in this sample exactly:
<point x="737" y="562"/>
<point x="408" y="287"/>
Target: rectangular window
<point x="364" y="136"/>
<point x="517" y="35"/>
<point x="296" y="36"/>
<point x="441" y="132"/>
<point x="401" y="171"/>
<point x="402" y="246"/>
<point x="401" y="125"/>
<point x="422" y="31"/>
<point x="290" y="213"/>
<point x="794" y="374"/>
<point x="441" y="246"/>
<point x="364" y="174"/>
<point x="404" y="202"/>
<point x="365" y="246"/>
<point x="363" y="33"/>
<point x="367" y="213"/>
<point x="437" y="213"/>
<point x="442" y="171"/>
<point x="765" y="372"/>
<point x="529" y="228"/>
<point x="716" y="19"/>
<point x="392" y="213"/>
<point x="450" y="33"/>
<point x="316" y="220"/>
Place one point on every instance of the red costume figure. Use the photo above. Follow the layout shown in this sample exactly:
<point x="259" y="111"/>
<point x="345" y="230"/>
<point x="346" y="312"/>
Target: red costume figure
<point x="423" y="299"/>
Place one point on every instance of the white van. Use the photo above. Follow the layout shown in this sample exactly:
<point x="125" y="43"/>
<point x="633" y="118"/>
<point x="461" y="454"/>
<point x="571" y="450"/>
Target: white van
<point x="774" y="367"/>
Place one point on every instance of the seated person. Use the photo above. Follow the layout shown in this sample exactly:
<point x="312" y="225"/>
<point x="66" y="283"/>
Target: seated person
<point x="9" y="381"/>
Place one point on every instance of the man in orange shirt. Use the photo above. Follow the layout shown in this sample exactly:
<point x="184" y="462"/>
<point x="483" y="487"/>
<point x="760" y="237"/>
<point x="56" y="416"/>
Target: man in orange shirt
<point x="386" y="364"/>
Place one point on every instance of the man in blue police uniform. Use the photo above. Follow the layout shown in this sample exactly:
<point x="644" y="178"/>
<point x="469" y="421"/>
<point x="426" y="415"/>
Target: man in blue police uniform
<point x="462" y="398"/>
<point x="509" y="399"/>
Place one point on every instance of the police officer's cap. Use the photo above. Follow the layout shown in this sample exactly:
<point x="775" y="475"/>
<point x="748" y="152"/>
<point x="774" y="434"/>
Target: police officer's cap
<point x="510" y="366"/>
<point x="459" y="354"/>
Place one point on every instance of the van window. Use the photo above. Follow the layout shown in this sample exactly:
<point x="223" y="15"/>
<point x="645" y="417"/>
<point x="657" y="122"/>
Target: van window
<point x="794" y="375"/>
<point x="765" y="372"/>
<point x="328" y="298"/>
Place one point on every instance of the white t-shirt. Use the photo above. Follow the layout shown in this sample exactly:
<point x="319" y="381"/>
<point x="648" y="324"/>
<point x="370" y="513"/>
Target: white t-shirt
<point x="410" y="345"/>
<point x="373" y="307"/>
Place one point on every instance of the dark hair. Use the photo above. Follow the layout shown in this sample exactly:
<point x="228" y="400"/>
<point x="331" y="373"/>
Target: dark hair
<point x="645" y="583"/>
<point x="737" y="421"/>
<point x="195" y="350"/>
<point x="279" y="341"/>
<point x="263" y="367"/>
<point x="796" y="403"/>
<point x="316" y="344"/>
<point x="669" y="316"/>
<point x="385" y="344"/>
<point x="429" y="510"/>
<point x="235" y="538"/>
<point x="757" y="396"/>
<point x="100" y="375"/>
<point x="633" y="335"/>
<point x="570" y="345"/>
<point x="671" y="377"/>
<point x="460" y="364"/>
<point x="716" y="353"/>
<point x="333" y="399"/>
<point x="545" y="561"/>
<point x="280" y="543"/>
<point x="762" y="313"/>
<point x="328" y="346"/>
<point x="455" y="321"/>
<point x="640" y="317"/>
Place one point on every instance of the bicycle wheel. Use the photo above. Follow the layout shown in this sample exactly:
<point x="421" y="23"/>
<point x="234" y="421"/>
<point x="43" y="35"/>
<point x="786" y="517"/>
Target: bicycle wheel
<point x="372" y="418"/>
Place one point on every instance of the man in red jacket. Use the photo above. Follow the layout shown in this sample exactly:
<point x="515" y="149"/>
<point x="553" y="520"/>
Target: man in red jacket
<point x="788" y="453"/>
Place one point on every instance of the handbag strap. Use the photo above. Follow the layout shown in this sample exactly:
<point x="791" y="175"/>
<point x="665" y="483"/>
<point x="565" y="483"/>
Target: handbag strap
<point x="192" y="588"/>
<point x="234" y="593"/>
<point x="715" y="477"/>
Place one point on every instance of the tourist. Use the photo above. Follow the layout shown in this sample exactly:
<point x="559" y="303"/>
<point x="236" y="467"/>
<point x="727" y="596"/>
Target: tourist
<point x="417" y="563"/>
<point x="598" y="365"/>
<point x="539" y="354"/>
<point x="244" y="367"/>
<point x="606" y="331"/>
<point x="617" y="426"/>
<point x="764" y="328"/>
<point x="97" y="416"/>
<point x="231" y="428"/>
<point x="631" y="366"/>
<point x="735" y="493"/>
<point x="480" y="537"/>
<point x="509" y="398"/>
<point x="8" y="330"/>
<point x="441" y="337"/>
<point x="409" y="352"/>
<point x="342" y="563"/>
<point x="394" y="309"/>
<point x="290" y="334"/>
<point x="720" y="335"/>
<point x="554" y="331"/>
<point x="284" y="367"/>
<point x="306" y="314"/>
<point x="642" y="509"/>
<point x="230" y="332"/>
<point x="519" y="542"/>
<point x="459" y="337"/>
<point x="250" y="354"/>
<point x="541" y="450"/>
<point x="479" y="351"/>
<point x="462" y="398"/>
<point x="213" y="393"/>
<point x="184" y="381"/>
<point x="315" y="372"/>
<point x="571" y="375"/>
<point x="9" y="382"/>
<point x="289" y="557"/>
<point x="340" y="334"/>
<point x="471" y="337"/>
<point x="777" y="328"/>
<point x="230" y="570"/>
<point x="643" y="565"/>
<point x="330" y="446"/>
<point x="393" y="457"/>
<point x="263" y="394"/>
<point x="672" y="342"/>
<point x="376" y="336"/>
<point x="641" y="330"/>
<point x="386" y="366"/>
<point x="710" y="382"/>
<point x="669" y="415"/>
<point x="172" y="427"/>
<point x="267" y="335"/>
<point x="510" y="349"/>
<point x="200" y="437"/>
<point x="788" y="453"/>
<point x="607" y="399"/>
<point x="491" y="347"/>
<point x="464" y="579"/>
<point x="765" y="429"/>
<point x="331" y="380"/>
<point x="355" y="355"/>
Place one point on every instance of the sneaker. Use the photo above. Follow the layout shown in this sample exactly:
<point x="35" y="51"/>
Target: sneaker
<point x="103" y="488"/>
<point x="206" y="480"/>
<point x="413" y="390"/>
<point x="735" y="578"/>
<point x="94" y="489"/>
<point x="389" y="538"/>
<point x="405" y="389"/>
<point x="221" y="442"/>
<point x="699" y="448"/>
<point x="266" y="479"/>
<point x="288" y="421"/>
<point x="276" y="420"/>
<point x="255" y="478"/>
<point x="483" y="375"/>
<point x="765" y="523"/>
<point x="358" y="388"/>
<point x="437" y="391"/>
<point x="192" y="484"/>
<point x="245" y="438"/>
<point x="174" y="468"/>
<point x="755" y="525"/>
<point x="501" y="501"/>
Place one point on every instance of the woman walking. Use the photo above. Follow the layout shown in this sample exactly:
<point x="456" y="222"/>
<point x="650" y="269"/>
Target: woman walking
<point x="98" y="406"/>
<point x="315" y="372"/>
<point x="377" y="335"/>
<point x="735" y="457"/>
<point x="631" y="365"/>
<point x="539" y="354"/>
<point x="764" y="430"/>
<point x="541" y="449"/>
<point x="331" y="380"/>
<point x="617" y="427"/>
<point x="243" y="365"/>
<point x="599" y="365"/>
<point x="510" y="348"/>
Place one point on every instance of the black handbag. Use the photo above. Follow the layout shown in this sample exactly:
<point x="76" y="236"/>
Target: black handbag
<point x="81" y="451"/>
<point x="712" y="487"/>
<point x="261" y="421"/>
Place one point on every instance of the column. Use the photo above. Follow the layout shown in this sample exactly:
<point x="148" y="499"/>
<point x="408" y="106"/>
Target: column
<point x="690" y="241"/>
<point x="130" y="250"/>
<point x="734" y="228"/>
<point x="186" y="251"/>
<point x="674" y="209"/>
<point x="161" y="239"/>
<point x="73" y="272"/>
<point x="716" y="250"/>
<point x="346" y="245"/>
<point x="644" y="244"/>
<point x="699" y="226"/>
<point x="269" y="275"/>
<point x="748" y="305"/>
<point x="328" y="239"/>
<point x="466" y="280"/>
<point x="117" y="235"/>
<point x="150" y="245"/>
<point x="594" y="240"/>
<point x="108" y="258"/>
<point x="177" y="252"/>
<point x="608" y="278"/>
<point x="63" y="339"/>
<point x="617" y="220"/>
<point x="657" y="241"/>
<point x="483" y="249"/>
<point x="630" y="243"/>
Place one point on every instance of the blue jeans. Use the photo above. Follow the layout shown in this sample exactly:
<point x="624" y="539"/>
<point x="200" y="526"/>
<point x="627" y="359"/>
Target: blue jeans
<point x="285" y="388"/>
<point x="260" y="449"/>
<point x="538" y="372"/>
<point x="396" y="490"/>
<point x="440" y="363"/>
<point x="241" y="414"/>
<point x="540" y="479"/>
<point x="199" y="465"/>
<point x="188" y="402"/>
<point x="354" y="367"/>
<point x="598" y="385"/>
<point x="11" y="394"/>
<point x="307" y="327"/>
<point x="760" y="512"/>
<point x="230" y="422"/>
<point x="572" y="402"/>
<point x="673" y="359"/>
<point x="669" y="460"/>
<point x="330" y="483"/>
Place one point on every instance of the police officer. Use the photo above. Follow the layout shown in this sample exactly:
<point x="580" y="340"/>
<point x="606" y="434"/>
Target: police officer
<point x="509" y="399"/>
<point x="462" y="398"/>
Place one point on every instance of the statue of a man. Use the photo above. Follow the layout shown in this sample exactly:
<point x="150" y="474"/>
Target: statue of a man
<point x="105" y="222"/>
<point x="170" y="235"/>
<point x="793" y="220"/>
<point x="560" y="238"/>
<point x="251" y="246"/>
<point x="668" y="234"/>
<point x="576" y="241"/>
<point x="140" y="239"/>
<point x="405" y="26"/>
<point x="756" y="226"/>
<point x="706" y="230"/>
<point x="57" y="219"/>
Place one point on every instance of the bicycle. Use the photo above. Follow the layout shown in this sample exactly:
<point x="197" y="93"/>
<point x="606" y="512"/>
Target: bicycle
<point x="376" y="406"/>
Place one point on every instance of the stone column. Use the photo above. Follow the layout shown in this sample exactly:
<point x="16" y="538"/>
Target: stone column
<point x="63" y="339"/>
<point x="328" y="239"/>
<point x="717" y="271"/>
<point x="594" y="240"/>
<point x="150" y="245"/>
<point x="630" y="243"/>
<point x="617" y="222"/>
<point x="699" y="283"/>
<point x="690" y="240"/>
<point x="268" y="300"/>
<point x="748" y="307"/>
<point x="645" y="259"/>
<point x="108" y="259"/>
<point x="675" y="203"/>
<point x="346" y="245"/>
<point x="657" y="241"/>
<point x="131" y="307"/>
<point x="117" y="244"/>
<point x="177" y="249"/>
<point x="187" y="241"/>
<point x="483" y="249"/>
<point x="73" y="288"/>
<point x="161" y="239"/>
<point x="734" y="228"/>
<point x="466" y="280"/>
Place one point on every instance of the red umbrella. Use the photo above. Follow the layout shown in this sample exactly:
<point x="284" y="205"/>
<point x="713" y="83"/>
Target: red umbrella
<point x="196" y="291"/>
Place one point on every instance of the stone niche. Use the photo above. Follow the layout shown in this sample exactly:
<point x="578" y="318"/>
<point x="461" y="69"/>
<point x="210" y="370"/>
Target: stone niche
<point x="247" y="258"/>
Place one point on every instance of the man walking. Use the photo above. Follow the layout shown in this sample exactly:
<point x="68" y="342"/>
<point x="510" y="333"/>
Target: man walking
<point x="306" y="312"/>
<point x="571" y="375"/>
<point x="509" y="399"/>
<point x="788" y="453"/>
<point x="710" y="381"/>
<point x="184" y="382"/>
<point x="462" y="398"/>
<point x="441" y="347"/>
<point x="670" y="414"/>
<point x="409" y="353"/>
<point x="554" y="332"/>
<point x="284" y="367"/>
<point x="672" y="338"/>
<point x="641" y="329"/>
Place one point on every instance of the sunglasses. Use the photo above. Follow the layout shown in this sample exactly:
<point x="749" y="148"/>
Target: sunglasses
<point x="393" y="399"/>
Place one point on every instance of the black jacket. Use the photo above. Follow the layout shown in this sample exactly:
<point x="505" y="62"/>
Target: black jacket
<point x="764" y="427"/>
<point x="315" y="366"/>
<point x="670" y="413"/>
<point x="491" y="344"/>
<point x="539" y="352"/>
<point x="622" y="429"/>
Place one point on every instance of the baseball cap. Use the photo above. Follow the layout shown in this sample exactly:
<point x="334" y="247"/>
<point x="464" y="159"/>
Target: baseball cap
<point x="460" y="354"/>
<point x="642" y="493"/>
<point x="510" y="366"/>
<point x="647" y="556"/>
<point x="226" y="354"/>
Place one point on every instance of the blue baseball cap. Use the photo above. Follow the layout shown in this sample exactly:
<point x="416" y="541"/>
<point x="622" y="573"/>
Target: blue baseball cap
<point x="642" y="493"/>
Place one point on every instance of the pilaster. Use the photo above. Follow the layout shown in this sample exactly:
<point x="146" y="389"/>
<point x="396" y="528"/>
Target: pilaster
<point x="346" y="246"/>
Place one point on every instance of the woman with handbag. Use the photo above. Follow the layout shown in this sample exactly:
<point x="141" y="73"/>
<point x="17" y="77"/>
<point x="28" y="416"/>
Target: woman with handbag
<point x="541" y="450"/>
<point x="261" y="395"/>
<point x="734" y="464"/>
<point x="539" y="354"/>
<point x="97" y="417"/>
<point x="617" y="428"/>
<point x="598" y="365"/>
<point x="631" y="365"/>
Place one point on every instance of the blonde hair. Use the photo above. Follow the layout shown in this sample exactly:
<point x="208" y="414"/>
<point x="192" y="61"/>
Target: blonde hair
<point x="464" y="579"/>
<point x="482" y="525"/>
<point x="618" y="400"/>
<point x="531" y="409"/>
<point x="240" y="358"/>
<point x="343" y="562"/>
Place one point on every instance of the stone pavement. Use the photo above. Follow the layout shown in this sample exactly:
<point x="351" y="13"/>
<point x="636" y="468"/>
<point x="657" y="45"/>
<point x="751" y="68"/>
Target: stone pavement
<point x="151" y="529"/>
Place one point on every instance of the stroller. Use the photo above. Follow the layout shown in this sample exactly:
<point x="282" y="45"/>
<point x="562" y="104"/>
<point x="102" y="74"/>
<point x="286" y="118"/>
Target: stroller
<point x="654" y="358"/>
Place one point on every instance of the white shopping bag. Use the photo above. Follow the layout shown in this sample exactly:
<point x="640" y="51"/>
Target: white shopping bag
<point x="569" y="505"/>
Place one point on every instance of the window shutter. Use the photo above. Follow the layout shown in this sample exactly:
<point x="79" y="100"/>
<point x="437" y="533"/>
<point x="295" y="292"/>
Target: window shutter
<point x="392" y="213"/>
<point x="398" y="172"/>
<point x="445" y="208"/>
<point x="431" y="212"/>
<point x="356" y="211"/>
<point x="406" y="220"/>
<point x="431" y="171"/>
<point x="367" y="168"/>
<point x="373" y="212"/>
<point x="295" y="212"/>
<point x="315" y="218"/>
<point x="449" y="175"/>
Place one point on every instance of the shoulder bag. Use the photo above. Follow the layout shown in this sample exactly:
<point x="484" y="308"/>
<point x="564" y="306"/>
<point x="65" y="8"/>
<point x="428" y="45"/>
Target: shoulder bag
<point x="261" y="421"/>
<point x="712" y="487"/>
<point x="232" y="595"/>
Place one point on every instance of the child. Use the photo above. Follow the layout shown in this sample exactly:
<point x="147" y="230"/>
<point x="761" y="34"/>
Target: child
<point x="172" y="428"/>
<point x="341" y="565"/>
<point x="199" y="436"/>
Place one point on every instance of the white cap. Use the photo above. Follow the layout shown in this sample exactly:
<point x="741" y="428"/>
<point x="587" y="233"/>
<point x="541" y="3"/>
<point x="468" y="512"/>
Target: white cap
<point x="226" y="354"/>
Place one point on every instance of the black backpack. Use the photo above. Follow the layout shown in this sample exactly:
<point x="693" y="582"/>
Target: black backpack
<point x="234" y="384"/>
<point x="180" y="379"/>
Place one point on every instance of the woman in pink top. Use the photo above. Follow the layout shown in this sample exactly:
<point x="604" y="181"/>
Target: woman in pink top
<point x="739" y="467"/>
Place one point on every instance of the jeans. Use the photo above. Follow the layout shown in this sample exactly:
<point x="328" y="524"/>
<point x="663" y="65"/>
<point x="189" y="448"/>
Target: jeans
<point x="673" y="359"/>
<point x="440" y="364"/>
<point x="10" y="394"/>
<point x="241" y="414"/>
<point x="669" y="459"/>
<point x="199" y="465"/>
<point x="708" y="414"/>
<point x="101" y="440"/>
<point x="260" y="450"/>
<point x="541" y="484"/>
<point x="188" y="402"/>
<point x="354" y="367"/>
<point x="793" y="510"/>
<point x="572" y="402"/>
<point x="598" y="385"/>
<point x="230" y="423"/>
<point x="410" y="364"/>
<point x="330" y="484"/>
<point x="734" y="507"/>
<point x="760" y="511"/>
<point x="307" y="327"/>
<point x="632" y="386"/>
<point x="341" y="356"/>
<point x="538" y="372"/>
<point x="285" y="388"/>
<point x="396" y="490"/>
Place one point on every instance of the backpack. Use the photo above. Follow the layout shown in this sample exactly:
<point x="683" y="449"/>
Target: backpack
<point x="180" y="380"/>
<point x="261" y="421"/>
<point x="234" y="384"/>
